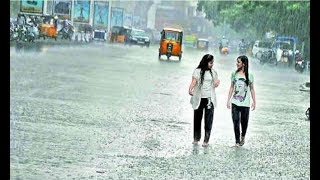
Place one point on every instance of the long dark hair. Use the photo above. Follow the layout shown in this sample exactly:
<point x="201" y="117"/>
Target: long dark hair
<point x="203" y="65"/>
<point x="245" y="61"/>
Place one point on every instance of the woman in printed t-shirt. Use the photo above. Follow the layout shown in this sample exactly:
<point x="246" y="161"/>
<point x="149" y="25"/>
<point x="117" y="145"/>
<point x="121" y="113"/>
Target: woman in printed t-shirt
<point x="241" y="90"/>
<point x="202" y="89"/>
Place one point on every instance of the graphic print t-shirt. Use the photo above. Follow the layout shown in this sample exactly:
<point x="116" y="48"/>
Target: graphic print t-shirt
<point x="242" y="94"/>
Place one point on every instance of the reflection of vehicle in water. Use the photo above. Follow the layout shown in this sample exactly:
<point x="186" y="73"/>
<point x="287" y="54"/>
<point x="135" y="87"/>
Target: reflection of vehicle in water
<point x="203" y="44"/>
<point x="284" y="48"/>
<point x="137" y="37"/>
<point x="171" y="43"/>
<point x="118" y="33"/>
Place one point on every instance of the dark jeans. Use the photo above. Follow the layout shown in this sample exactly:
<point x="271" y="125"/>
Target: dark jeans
<point x="240" y="115"/>
<point x="208" y="118"/>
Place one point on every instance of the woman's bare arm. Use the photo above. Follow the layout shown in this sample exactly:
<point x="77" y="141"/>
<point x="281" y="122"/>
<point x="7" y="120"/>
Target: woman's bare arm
<point x="229" y="95"/>
<point x="193" y="83"/>
<point x="253" y="96"/>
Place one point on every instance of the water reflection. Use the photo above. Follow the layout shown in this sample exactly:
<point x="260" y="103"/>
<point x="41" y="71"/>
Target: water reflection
<point x="195" y="149"/>
<point x="206" y="150"/>
<point x="29" y="47"/>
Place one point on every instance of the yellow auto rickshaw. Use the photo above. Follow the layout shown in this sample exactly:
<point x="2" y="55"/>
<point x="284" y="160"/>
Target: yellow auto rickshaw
<point x="118" y="33"/>
<point x="171" y="43"/>
<point x="48" y="27"/>
<point x="203" y="44"/>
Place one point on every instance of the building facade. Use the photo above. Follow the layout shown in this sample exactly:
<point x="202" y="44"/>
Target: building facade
<point x="103" y="14"/>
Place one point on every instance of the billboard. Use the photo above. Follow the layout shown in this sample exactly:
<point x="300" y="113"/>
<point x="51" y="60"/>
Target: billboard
<point x="62" y="8"/>
<point x="116" y="16"/>
<point x="81" y="11"/>
<point x="31" y="6"/>
<point x="127" y="19"/>
<point x="101" y="12"/>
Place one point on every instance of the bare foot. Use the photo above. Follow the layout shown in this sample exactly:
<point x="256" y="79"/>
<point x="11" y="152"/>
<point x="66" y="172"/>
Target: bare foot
<point x="195" y="142"/>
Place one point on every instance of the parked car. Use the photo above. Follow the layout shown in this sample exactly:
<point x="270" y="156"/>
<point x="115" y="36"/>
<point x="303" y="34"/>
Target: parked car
<point x="154" y="35"/>
<point x="259" y="47"/>
<point x="137" y="37"/>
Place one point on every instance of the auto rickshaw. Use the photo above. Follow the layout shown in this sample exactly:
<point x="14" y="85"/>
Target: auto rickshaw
<point x="118" y="33"/>
<point x="171" y="43"/>
<point x="48" y="27"/>
<point x="203" y="44"/>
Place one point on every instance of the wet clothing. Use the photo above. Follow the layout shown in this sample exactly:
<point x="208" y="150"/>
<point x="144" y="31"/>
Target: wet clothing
<point x="242" y="94"/>
<point x="206" y="90"/>
<point x="208" y="108"/>
<point x="240" y="116"/>
<point x="203" y="100"/>
<point x="240" y="104"/>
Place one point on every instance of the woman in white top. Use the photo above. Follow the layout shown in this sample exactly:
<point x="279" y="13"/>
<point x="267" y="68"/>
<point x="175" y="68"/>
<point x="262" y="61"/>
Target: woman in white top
<point x="202" y="89"/>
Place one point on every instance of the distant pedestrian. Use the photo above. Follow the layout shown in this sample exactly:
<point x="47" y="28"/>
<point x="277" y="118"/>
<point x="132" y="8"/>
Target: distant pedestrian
<point x="240" y="91"/>
<point x="202" y="89"/>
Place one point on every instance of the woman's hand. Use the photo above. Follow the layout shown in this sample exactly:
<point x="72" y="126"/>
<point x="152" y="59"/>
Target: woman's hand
<point x="192" y="85"/>
<point x="253" y="106"/>
<point x="228" y="104"/>
<point x="216" y="82"/>
<point x="190" y="93"/>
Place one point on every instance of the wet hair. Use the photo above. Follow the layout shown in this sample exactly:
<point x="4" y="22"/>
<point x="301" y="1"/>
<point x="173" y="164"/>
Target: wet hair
<point x="245" y="61"/>
<point x="203" y="65"/>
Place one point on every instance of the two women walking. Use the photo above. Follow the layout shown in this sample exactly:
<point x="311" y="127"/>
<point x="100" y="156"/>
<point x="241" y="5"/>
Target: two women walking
<point x="203" y="98"/>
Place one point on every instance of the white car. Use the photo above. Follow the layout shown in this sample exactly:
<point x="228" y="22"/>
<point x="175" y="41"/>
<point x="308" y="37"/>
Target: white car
<point x="259" y="47"/>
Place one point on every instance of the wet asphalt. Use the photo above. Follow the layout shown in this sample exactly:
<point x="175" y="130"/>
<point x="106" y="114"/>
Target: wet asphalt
<point x="109" y="111"/>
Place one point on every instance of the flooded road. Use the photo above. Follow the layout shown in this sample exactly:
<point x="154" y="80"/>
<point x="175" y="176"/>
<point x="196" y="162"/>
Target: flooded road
<point x="108" y="111"/>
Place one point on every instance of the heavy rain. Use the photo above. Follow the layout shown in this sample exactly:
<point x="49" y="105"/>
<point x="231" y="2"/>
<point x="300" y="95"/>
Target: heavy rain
<point x="97" y="92"/>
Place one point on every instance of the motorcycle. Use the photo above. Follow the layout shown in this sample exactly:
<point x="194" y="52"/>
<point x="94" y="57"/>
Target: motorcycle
<point x="32" y="33"/>
<point x="242" y="48"/>
<point x="284" y="56"/>
<point x="67" y="31"/>
<point x="14" y="32"/>
<point x="300" y="63"/>
<point x="269" y="57"/>
<point x="22" y="31"/>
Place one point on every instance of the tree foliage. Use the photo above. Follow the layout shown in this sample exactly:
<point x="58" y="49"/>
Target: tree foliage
<point x="289" y="18"/>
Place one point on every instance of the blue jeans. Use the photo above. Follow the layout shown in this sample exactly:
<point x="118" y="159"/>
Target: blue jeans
<point x="240" y="115"/>
<point x="208" y="118"/>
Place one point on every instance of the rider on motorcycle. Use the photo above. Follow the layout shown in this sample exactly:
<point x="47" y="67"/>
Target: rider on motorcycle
<point x="242" y="47"/>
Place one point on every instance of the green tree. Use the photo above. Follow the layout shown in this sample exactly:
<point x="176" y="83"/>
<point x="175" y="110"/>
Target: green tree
<point x="290" y="18"/>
